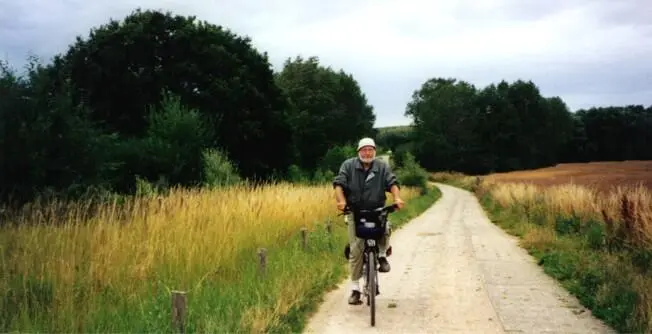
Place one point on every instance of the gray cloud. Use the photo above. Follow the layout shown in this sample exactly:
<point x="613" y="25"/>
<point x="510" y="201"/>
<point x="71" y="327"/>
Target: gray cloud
<point x="588" y="52"/>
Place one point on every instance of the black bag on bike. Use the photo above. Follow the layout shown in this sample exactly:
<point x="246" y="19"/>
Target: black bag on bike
<point x="368" y="225"/>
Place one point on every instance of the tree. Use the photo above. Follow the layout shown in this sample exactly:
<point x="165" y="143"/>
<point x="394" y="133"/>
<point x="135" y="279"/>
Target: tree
<point x="171" y="152"/>
<point x="502" y="127"/>
<point x="122" y="68"/>
<point x="614" y="133"/>
<point x="327" y="108"/>
<point x="393" y="137"/>
<point x="48" y="143"/>
<point x="444" y="114"/>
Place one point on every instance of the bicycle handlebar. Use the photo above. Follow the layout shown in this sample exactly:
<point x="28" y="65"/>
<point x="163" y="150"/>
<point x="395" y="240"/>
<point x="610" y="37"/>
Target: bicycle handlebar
<point x="386" y="209"/>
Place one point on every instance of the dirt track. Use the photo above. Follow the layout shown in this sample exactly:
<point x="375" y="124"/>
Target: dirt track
<point x="454" y="271"/>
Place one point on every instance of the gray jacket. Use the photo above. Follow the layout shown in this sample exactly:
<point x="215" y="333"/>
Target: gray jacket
<point x="365" y="189"/>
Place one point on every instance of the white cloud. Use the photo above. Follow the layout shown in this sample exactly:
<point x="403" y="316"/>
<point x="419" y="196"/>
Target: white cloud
<point x="585" y="51"/>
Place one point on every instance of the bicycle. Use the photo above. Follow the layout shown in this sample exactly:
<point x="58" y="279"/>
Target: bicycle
<point x="371" y="226"/>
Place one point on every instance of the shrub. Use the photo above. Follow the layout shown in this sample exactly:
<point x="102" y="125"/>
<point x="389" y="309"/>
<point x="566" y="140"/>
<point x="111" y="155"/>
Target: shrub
<point x="411" y="174"/>
<point x="332" y="160"/>
<point x="218" y="170"/>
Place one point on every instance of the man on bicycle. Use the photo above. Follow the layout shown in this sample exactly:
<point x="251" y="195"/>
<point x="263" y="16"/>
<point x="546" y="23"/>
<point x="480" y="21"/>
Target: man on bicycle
<point x="361" y="183"/>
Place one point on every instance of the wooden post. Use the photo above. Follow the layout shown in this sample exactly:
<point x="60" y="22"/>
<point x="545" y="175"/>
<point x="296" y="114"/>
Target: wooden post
<point x="304" y="237"/>
<point x="329" y="231"/>
<point x="178" y="310"/>
<point x="262" y="257"/>
<point x="329" y="227"/>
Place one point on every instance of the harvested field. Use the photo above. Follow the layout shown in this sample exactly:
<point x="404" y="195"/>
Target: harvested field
<point x="603" y="176"/>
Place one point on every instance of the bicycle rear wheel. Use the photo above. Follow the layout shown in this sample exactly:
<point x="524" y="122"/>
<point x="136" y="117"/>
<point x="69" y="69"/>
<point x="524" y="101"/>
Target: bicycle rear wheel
<point x="371" y="283"/>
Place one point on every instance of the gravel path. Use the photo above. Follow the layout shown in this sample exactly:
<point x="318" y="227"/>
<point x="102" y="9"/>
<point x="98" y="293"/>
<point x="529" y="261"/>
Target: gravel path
<point x="455" y="271"/>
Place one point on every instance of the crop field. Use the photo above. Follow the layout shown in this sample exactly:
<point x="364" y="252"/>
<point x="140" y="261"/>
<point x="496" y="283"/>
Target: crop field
<point x="601" y="176"/>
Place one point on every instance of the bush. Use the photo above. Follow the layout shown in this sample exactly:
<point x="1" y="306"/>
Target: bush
<point x="332" y="160"/>
<point x="411" y="174"/>
<point x="400" y="154"/>
<point x="218" y="170"/>
<point x="170" y="153"/>
<point x="296" y="175"/>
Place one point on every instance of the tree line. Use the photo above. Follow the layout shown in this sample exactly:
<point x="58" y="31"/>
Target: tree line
<point x="166" y="100"/>
<point x="171" y="100"/>
<point x="511" y="126"/>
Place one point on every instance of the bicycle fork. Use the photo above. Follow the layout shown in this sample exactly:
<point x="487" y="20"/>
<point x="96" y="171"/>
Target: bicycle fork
<point x="371" y="247"/>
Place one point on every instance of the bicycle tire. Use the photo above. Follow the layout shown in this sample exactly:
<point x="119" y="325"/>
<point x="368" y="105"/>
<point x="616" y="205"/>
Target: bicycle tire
<point x="371" y="269"/>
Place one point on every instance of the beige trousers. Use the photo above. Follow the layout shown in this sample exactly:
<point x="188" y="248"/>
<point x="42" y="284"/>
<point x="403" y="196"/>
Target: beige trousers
<point x="357" y="247"/>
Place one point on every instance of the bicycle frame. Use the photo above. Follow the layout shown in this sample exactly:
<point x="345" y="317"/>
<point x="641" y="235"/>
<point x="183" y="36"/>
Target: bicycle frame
<point x="370" y="255"/>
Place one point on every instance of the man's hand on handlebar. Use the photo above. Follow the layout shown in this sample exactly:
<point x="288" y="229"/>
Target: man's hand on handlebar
<point x="399" y="203"/>
<point x="341" y="205"/>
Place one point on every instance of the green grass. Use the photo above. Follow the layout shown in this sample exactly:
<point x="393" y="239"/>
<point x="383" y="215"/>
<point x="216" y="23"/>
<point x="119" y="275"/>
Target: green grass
<point x="603" y="282"/>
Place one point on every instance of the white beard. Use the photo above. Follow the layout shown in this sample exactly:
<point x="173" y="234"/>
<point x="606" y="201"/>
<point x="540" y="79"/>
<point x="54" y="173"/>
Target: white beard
<point x="367" y="161"/>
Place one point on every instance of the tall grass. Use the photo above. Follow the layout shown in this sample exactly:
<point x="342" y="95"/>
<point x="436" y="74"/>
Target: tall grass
<point x="112" y="269"/>
<point x="598" y="245"/>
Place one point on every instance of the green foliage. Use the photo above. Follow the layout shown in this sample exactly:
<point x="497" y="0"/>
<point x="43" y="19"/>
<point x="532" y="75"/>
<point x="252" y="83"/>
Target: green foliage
<point x="393" y="137"/>
<point x="400" y="153"/>
<point x="47" y="141"/>
<point x="218" y="171"/>
<point x="510" y="126"/>
<point x="567" y="225"/>
<point x="145" y="188"/>
<point x="332" y="160"/>
<point x="327" y="109"/>
<point x="171" y="150"/>
<point x="323" y="176"/>
<point x="296" y="175"/>
<point x="595" y="235"/>
<point x="411" y="174"/>
<point x="601" y="280"/>
<point x="121" y="68"/>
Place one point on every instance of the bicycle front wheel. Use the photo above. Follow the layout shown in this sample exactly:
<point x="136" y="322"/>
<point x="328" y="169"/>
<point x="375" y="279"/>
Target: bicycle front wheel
<point x="371" y="283"/>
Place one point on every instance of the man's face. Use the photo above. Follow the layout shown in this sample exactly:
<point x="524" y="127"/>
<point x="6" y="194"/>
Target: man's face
<point x="367" y="154"/>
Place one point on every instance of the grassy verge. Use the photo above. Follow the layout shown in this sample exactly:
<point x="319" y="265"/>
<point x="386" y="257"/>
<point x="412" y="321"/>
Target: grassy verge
<point x="113" y="271"/>
<point x="599" y="247"/>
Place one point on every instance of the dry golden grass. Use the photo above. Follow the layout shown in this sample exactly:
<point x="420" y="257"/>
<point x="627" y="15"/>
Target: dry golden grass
<point x="178" y="241"/>
<point x="595" y="193"/>
<point x="626" y="217"/>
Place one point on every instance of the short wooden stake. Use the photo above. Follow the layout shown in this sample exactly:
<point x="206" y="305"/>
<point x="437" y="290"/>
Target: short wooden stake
<point x="262" y="257"/>
<point x="178" y="310"/>
<point x="304" y="237"/>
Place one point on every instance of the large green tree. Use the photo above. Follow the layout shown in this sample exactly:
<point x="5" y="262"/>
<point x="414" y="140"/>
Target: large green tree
<point x="612" y="133"/>
<point x="47" y="143"/>
<point x="444" y="115"/>
<point x="122" y="68"/>
<point x="327" y="108"/>
<point x="501" y="127"/>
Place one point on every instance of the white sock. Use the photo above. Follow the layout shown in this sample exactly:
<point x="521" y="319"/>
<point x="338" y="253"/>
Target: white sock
<point x="355" y="285"/>
<point x="382" y="252"/>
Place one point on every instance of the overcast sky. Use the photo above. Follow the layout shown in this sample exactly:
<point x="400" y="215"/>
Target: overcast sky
<point x="589" y="52"/>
